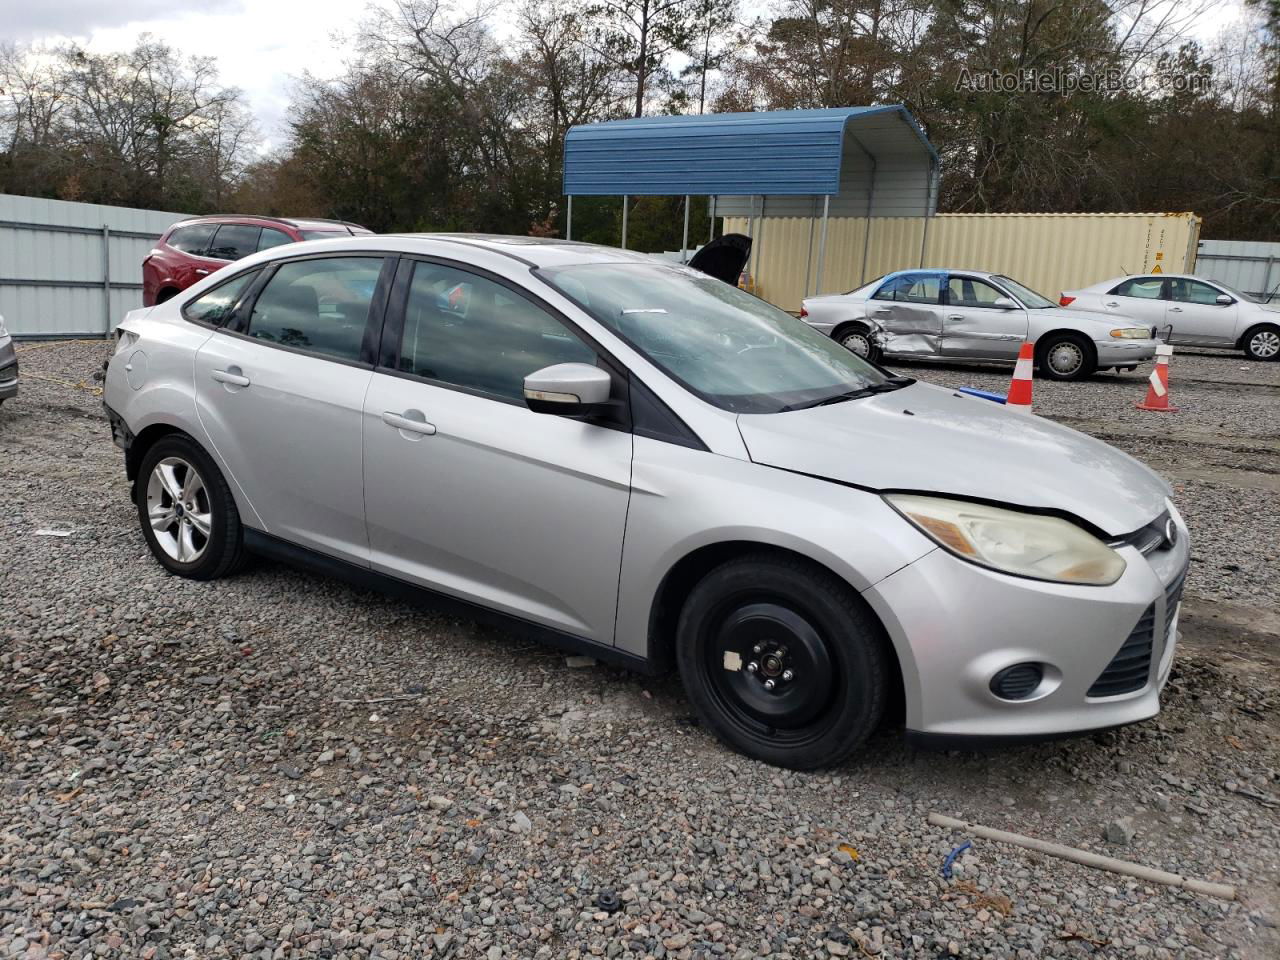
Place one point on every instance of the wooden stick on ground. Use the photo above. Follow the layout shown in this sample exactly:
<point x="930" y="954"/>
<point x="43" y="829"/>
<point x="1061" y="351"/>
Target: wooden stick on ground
<point x="1085" y="858"/>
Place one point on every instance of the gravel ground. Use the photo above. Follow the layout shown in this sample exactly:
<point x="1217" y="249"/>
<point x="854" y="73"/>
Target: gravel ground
<point x="277" y="765"/>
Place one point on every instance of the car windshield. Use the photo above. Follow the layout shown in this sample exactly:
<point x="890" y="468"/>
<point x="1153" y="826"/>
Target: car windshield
<point x="728" y="347"/>
<point x="1240" y="294"/>
<point x="1030" y="299"/>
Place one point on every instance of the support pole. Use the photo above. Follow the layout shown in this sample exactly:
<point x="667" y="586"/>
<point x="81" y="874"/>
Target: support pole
<point x="928" y="210"/>
<point x="866" y="236"/>
<point x="626" y="202"/>
<point x="711" y="231"/>
<point x="568" y="219"/>
<point x="684" y="242"/>
<point x="808" y="260"/>
<point x="822" y="245"/>
<point x="106" y="279"/>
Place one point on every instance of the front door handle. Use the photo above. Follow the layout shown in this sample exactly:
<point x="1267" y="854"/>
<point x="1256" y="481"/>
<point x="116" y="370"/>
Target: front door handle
<point x="955" y="318"/>
<point x="232" y="376"/>
<point x="202" y="272"/>
<point x="1175" y="309"/>
<point x="1111" y="303"/>
<point x="402" y="421"/>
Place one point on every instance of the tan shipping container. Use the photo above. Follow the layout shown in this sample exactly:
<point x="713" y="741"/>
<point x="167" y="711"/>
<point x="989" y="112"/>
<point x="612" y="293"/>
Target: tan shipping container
<point x="1049" y="252"/>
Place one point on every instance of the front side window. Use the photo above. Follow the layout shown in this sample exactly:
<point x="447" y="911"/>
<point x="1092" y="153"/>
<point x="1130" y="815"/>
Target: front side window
<point x="468" y="331"/>
<point x="1144" y="288"/>
<point x="233" y="241"/>
<point x="969" y="292"/>
<point x="911" y="288"/>
<point x="730" y="348"/>
<point x="317" y="305"/>
<point x="213" y="308"/>
<point x="1193" y="291"/>
<point x="193" y="239"/>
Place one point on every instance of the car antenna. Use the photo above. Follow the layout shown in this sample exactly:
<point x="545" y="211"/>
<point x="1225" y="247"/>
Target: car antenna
<point x="1124" y="270"/>
<point x="1268" y="296"/>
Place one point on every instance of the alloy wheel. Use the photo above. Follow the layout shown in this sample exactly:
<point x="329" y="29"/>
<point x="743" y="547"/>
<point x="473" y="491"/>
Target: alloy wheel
<point x="1265" y="344"/>
<point x="178" y="509"/>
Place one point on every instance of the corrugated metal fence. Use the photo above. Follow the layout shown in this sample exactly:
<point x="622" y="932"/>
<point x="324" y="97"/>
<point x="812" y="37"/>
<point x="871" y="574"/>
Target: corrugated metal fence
<point x="72" y="269"/>
<point x="1048" y="252"/>
<point x="1247" y="265"/>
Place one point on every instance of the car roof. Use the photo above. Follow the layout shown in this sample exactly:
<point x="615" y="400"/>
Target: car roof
<point x="537" y="251"/>
<point x="298" y="223"/>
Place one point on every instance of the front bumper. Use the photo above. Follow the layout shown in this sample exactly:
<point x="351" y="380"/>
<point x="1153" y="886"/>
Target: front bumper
<point x="1123" y="353"/>
<point x="8" y="369"/>
<point x="955" y="625"/>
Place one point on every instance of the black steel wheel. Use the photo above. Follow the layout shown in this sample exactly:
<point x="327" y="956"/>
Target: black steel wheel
<point x="782" y="661"/>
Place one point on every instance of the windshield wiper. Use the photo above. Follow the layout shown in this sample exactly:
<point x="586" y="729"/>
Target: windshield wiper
<point x="889" y="385"/>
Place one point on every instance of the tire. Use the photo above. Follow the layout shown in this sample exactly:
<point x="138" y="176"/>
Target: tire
<point x="804" y="620"/>
<point x="1262" y="343"/>
<point x="857" y="340"/>
<point x="176" y="463"/>
<point x="1054" y="353"/>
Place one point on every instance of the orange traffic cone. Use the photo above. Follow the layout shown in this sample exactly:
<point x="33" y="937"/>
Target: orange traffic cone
<point x="1019" y="398"/>
<point x="1158" y="383"/>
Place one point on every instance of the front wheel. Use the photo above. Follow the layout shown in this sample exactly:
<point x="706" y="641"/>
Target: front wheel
<point x="1262" y="343"/>
<point x="782" y="661"/>
<point x="856" y="340"/>
<point x="1065" y="356"/>
<point x="186" y="510"/>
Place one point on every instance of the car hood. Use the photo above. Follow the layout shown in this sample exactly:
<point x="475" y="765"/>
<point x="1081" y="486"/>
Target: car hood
<point x="1066" y="315"/>
<point x="724" y="257"/>
<point x="960" y="446"/>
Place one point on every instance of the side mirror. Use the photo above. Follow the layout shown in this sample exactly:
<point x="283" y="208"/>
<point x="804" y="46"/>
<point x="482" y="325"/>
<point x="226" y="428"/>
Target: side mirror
<point x="1224" y="300"/>
<point x="1004" y="303"/>
<point x="568" y="389"/>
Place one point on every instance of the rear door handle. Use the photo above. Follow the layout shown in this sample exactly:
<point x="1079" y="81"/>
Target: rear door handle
<point x="1111" y="303"/>
<point x="880" y="310"/>
<point x="232" y="376"/>
<point x="1175" y="309"/>
<point x="955" y="318"/>
<point x="402" y="422"/>
<point x="203" y="273"/>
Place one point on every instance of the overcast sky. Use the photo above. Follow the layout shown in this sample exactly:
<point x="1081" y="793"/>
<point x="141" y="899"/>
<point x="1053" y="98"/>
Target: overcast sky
<point x="259" y="44"/>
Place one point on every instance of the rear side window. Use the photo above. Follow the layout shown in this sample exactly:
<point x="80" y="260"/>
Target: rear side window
<point x="213" y="308"/>
<point x="466" y="330"/>
<point x="193" y="239"/>
<point x="233" y="241"/>
<point x="317" y="305"/>
<point x="911" y="288"/>
<point x="1144" y="288"/>
<point x="272" y="237"/>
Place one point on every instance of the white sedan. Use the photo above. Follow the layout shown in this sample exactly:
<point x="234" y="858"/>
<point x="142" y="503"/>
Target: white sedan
<point x="1195" y="311"/>
<point x="972" y="317"/>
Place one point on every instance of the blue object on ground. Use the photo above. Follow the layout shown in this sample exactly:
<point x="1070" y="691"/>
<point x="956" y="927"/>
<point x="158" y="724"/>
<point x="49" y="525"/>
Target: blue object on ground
<point x="951" y="858"/>
<point x="983" y="394"/>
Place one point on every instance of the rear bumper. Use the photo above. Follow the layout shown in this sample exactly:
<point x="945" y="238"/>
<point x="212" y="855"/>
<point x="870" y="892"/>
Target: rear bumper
<point x="956" y="625"/>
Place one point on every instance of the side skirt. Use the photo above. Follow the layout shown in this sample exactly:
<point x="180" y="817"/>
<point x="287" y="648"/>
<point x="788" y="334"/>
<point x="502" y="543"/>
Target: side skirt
<point x="266" y="545"/>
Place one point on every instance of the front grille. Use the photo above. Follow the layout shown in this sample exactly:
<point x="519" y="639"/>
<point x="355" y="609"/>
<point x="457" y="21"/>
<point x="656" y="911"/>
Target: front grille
<point x="1130" y="667"/>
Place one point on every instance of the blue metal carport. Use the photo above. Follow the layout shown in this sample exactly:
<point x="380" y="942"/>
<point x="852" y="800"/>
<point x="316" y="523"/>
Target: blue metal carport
<point x="862" y="161"/>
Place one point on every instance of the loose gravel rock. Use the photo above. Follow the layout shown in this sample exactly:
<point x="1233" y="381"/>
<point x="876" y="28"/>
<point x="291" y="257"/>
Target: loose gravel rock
<point x="279" y="766"/>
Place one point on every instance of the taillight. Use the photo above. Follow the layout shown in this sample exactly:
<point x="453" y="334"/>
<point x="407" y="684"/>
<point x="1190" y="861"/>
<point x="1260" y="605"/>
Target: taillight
<point x="1065" y="301"/>
<point x="803" y="312"/>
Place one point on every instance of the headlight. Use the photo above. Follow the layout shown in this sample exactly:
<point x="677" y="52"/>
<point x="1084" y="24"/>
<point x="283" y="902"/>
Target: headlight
<point x="1132" y="333"/>
<point x="1027" y="544"/>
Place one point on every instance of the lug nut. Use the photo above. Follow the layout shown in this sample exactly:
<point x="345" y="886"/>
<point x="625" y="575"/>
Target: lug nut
<point x="769" y="684"/>
<point x="788" y="675"/>
<point x="757" y="648"/>
<point x="752" y="667"/>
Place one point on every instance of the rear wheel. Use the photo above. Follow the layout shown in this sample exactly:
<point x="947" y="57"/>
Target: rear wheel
<point x="782" y="661"/>
<point x="1262" y="343"/>
<point x="1065" y="356"/>
<point x="858" y="340"/>
<point x="186" y="510"/>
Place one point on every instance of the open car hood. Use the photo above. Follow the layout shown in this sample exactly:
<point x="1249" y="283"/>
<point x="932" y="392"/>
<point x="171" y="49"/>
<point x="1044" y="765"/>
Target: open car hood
<point x="724" y="257"/>
<point x="960" y="446"/>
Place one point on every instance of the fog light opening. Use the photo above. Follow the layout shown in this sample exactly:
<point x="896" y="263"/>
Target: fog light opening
<point x="1018" y="682"/>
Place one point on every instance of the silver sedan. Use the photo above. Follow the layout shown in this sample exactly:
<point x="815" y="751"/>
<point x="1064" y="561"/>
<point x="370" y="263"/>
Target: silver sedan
<point x="969" y="316"/>
<point x="634" y="460"/>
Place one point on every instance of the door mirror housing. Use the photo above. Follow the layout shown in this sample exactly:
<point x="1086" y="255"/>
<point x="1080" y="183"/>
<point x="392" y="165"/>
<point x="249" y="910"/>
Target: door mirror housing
<point x="568" y="389"/>
<point x="1225" y="300"/>
<point x="1005" y="303"/>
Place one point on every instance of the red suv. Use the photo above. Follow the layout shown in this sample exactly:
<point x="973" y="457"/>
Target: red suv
<point x="190" y="250"/>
